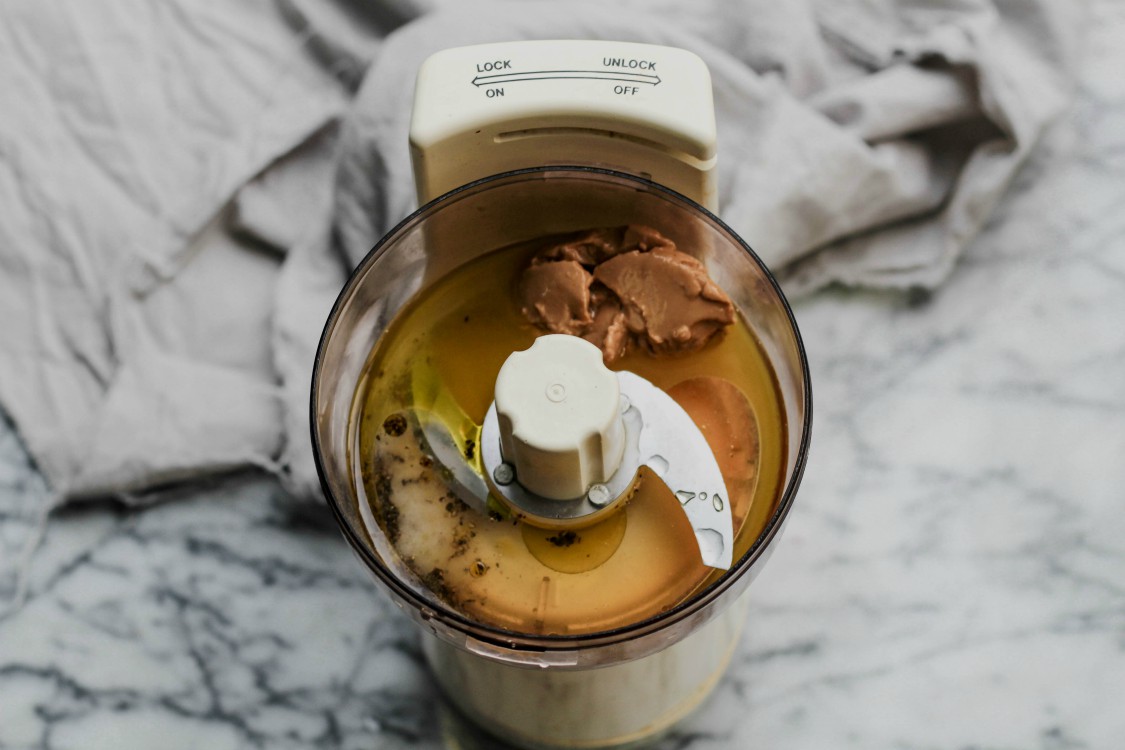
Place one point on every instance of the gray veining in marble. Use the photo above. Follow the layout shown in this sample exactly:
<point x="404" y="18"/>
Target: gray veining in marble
<point x="952" y="576"/>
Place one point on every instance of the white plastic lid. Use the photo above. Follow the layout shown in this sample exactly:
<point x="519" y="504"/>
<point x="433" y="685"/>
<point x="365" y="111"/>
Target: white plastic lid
<point x="559" y="414"/>
<point x="639" y="108"/>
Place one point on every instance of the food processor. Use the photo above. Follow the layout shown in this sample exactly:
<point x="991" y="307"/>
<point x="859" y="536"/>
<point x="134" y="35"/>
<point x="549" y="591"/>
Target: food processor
<point x="617" y="508"/>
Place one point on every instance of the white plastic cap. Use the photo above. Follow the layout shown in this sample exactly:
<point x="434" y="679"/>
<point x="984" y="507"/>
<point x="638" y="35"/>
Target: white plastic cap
<point x="558" y="408"/>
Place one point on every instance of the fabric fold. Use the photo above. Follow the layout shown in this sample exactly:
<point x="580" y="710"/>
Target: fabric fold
<point x="187" y="183"/>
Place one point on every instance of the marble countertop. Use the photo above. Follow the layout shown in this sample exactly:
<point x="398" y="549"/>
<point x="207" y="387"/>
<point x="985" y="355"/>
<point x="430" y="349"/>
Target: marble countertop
<point x="952" y="575"/>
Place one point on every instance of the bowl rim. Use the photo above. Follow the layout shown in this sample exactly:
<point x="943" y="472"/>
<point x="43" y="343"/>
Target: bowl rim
<point x="530" y="642"/>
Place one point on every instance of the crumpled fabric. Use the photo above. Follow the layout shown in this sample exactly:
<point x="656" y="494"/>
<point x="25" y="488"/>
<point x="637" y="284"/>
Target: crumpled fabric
<point x="186" y="184"/>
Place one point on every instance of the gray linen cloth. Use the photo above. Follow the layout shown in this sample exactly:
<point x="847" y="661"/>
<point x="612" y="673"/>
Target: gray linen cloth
<point x="184" y="184"/>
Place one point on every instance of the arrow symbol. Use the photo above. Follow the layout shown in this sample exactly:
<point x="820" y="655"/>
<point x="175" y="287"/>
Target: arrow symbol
<point x="555" y="75"/>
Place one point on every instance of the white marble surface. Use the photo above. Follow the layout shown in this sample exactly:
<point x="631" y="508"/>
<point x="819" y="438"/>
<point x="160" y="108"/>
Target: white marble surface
<point x="952" y="576"/>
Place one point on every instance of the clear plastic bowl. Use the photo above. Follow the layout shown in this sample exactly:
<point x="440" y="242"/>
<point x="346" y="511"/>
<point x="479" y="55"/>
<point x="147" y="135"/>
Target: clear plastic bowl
<point x="497" y="212"/>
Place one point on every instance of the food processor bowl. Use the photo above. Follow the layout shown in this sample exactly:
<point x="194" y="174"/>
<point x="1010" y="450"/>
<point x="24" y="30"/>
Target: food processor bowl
<point x="449" y="232"/>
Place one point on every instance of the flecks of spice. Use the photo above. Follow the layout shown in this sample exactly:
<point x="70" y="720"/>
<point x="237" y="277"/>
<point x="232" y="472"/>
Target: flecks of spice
<point x="460" y="545"/>
<point x="435" y="582"/>
<point x="387" y="510"/>
<point x="395" y="425"/>
<point x="455" y="505"/>
<point x="478" y="568"/>
<point x="425" y="462"/>
<point x="470" y="448"/>
<point x="564" y="538"/>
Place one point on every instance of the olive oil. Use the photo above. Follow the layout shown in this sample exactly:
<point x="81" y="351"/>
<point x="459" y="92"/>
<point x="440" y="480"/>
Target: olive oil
<point x="440" y="358"/>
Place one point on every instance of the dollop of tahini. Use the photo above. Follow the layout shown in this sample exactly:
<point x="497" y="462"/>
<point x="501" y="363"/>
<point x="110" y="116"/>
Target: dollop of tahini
<point x="624" y="287"/>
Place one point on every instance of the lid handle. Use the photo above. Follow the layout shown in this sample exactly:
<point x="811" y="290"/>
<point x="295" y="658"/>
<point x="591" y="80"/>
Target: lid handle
<point x="558" y="410"/>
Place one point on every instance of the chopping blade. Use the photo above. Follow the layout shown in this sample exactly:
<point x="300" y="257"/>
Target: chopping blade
<point x="673" y="448"/>
<point x="660" y="435"/>
<point x="457" y="462"/>
<point x="447" y="435"/>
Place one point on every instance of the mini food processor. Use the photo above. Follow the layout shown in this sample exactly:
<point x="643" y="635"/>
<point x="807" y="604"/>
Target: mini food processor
<point x="569" y="494"/>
